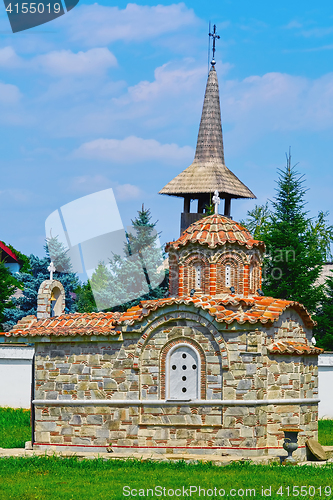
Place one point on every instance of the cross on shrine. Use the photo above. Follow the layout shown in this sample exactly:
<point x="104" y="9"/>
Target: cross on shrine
<point x="214" y="36"/>
<point x="216" y="201"/>
<point x="51" y="269"/>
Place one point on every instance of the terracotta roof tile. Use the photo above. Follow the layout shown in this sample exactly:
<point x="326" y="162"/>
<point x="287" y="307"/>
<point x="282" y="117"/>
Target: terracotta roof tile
<point x="252" y="310"/>
<point x="291" y="347"/>
<point x="215" y="230"/>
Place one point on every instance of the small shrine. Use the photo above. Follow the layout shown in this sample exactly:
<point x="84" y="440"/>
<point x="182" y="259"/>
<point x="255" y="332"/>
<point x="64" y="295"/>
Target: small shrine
<point x="216" y="367"/>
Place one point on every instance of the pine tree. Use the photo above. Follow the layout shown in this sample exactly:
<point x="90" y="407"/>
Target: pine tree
<point x="323" y="331"/>
<point x="31" y="281"/>
<point x="138" y="276"/>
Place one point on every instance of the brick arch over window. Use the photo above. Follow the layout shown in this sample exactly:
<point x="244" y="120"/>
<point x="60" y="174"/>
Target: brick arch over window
<point x="159" y="319"/>
<point x="173" y="275"/>
<point x="234" y="273"/>
<point x="254" y="275"/>
<point x="193" y="264"/>
<point x="163" y="364"/>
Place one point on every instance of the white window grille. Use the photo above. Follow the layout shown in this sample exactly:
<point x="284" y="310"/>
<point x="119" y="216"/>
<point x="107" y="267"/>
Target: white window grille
<point x="183" y="373"/>
<point x="198" y="276"/>
<point x="228" y="275"/>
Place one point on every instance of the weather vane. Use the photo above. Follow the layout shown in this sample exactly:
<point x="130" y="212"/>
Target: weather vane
<point x="214" y="36"/>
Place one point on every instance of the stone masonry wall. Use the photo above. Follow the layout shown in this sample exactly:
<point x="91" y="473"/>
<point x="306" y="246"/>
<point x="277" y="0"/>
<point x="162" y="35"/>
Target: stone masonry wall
<point x="105" y="371"/>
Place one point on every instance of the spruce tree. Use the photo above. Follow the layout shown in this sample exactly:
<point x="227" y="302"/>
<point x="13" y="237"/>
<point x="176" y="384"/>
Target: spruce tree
<point x="124" y="282"/>
<point x="31" y="281"/>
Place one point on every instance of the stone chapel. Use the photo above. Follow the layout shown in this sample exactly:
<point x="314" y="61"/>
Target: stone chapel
<point x="214" y="367"/>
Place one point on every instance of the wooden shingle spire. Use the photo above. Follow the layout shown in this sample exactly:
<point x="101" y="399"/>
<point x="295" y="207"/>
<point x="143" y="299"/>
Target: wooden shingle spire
<point x="208" y="172"/>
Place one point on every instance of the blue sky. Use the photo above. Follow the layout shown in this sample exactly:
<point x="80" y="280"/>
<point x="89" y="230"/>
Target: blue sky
<point x="110" y="95"/>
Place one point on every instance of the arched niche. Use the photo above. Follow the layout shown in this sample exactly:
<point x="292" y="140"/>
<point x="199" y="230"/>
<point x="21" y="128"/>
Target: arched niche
<point x="50" y="299"/>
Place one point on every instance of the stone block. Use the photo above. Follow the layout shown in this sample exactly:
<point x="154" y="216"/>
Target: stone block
<point x="81" y="440"/>
<point x="67" y="431"/>
<point x="213" y="419"/>
<point x="76" y="368"/>
<point x="95" y="419"/>
<point x="244" y="384"/>
<point x="228" y="433"/>
<point x="75" y="420"/>
<point x="185" y="434"/>
<point x="237" y="411"/>
<point x="42" y="437"/>
<point x="110" y="384"/>
<point x="102" y="432"/>
<point x="45" y="426"/>
<point x="88" y="431"/>
<point x="251" y="369"/>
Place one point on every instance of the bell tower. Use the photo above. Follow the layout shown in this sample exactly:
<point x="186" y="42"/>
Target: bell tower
<point x="208" y="171"/>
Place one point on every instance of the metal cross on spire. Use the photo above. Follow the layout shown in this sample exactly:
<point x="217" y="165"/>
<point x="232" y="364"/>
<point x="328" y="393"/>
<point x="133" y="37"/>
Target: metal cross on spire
<point x="214" y="36"/>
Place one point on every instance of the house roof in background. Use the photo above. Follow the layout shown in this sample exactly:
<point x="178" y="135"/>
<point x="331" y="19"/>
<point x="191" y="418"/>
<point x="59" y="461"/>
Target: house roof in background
<point x="8" y="251"/>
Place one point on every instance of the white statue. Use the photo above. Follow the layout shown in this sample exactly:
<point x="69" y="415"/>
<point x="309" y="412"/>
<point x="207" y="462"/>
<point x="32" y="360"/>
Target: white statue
<point x="216" y="201"/>
<point x="51" y="269"/>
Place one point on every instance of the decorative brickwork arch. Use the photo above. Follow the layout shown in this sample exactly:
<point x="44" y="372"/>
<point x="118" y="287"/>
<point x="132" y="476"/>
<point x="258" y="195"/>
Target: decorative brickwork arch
<point x="168" y="347"/>
<point x="173" y="275"/>
<point x="163" y="319"/>
<point x="254" y="275"/>
<point x="230" y="272"/>
<point x="193" y="265"/>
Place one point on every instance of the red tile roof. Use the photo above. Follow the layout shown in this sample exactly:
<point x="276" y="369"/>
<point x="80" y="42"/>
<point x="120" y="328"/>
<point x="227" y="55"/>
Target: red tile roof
<point x="215" y="230"/>
<point x="291" y="347"/>
<point x="227" y="309"/>
<point x="8" y="251"/>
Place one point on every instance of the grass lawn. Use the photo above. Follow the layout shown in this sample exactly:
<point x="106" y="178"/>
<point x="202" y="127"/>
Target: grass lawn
<point x="15" y="427"/>
<point x="70" y="478"/>
<point x="56" y="478"/>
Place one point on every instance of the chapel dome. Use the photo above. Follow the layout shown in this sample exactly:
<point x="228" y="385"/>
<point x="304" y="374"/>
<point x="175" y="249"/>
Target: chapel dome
<point x="216" y="230"/>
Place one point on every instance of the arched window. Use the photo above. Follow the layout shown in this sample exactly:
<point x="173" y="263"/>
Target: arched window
<point x="56" y="302"/>
<point x="251" y="278"/>
<point x="228" y="275"/>
<point x="197" y="268"/>
<point x="183" y="373"/>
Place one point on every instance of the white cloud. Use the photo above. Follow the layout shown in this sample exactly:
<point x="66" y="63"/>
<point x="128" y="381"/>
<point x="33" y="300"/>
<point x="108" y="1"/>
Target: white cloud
<point x="292" y="25"/>
<point x="61" y="63"/>
<point x="167" y="81"/>
<point x="9" y="58"/>
<point x="317" y="32"/>
<point x="89" y="183"/>
<point x="66" y="62"/>
<point x="133" y="150"/>
<point x="98" y="24"/>
<point x="277" y="101"/>
<point x="127" y="191"/>
<point x="9" y="94"/>
<point x="94" y="183"/>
